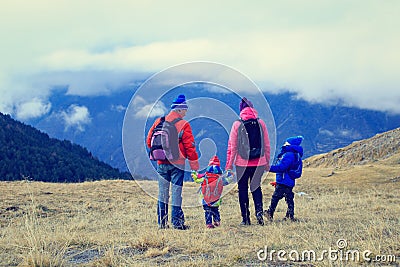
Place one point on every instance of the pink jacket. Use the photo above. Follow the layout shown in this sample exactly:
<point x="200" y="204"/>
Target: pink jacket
<point x="233" y="157"/>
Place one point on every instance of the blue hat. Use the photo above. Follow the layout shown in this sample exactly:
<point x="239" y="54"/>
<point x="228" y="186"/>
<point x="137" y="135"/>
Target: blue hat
<point x="179" y="103"/>
<point x="294" y="141"/>
<point x="214" y="169"/>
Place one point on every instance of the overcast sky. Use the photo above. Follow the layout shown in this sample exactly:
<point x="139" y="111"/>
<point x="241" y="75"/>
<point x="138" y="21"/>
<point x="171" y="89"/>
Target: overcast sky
<point x="326" y="51"/>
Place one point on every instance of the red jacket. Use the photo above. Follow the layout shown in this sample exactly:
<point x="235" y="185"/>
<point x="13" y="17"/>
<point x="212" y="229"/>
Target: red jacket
<point x="186" y="142"/>
<point x="233" y="156"/>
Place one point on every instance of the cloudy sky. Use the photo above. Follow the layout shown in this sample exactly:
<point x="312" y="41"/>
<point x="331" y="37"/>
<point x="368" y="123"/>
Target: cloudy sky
<point x="325" y="51"/>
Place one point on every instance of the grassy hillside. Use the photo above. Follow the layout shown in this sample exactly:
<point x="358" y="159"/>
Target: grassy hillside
<point x="379" y="147"/>
<point x="113" y="223"/>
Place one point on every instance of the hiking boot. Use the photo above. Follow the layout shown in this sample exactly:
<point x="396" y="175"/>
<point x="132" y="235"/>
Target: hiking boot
<point x="269" y="215"/>
<point x="216" y="224"/>
<point x="210" y="226"/>
<point x="260" y="220"/>
<point x="292" y="219"/>
<point x="182" y="227"/>
<point x="245" y="222"/>
<point x="163" y="226"/>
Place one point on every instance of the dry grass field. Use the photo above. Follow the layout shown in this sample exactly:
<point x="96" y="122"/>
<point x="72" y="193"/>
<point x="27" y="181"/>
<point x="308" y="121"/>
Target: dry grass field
<point x="113" y="223"/>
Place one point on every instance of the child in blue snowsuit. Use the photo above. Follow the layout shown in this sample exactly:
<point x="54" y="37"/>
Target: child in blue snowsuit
<point x="287" y="168"/>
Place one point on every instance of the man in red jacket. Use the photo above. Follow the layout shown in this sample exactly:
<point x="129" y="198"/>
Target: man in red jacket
<point x="172" y="172"/>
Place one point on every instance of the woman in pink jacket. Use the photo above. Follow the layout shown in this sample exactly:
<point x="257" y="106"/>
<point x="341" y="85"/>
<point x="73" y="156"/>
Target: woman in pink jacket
<point x="249" y="151"/>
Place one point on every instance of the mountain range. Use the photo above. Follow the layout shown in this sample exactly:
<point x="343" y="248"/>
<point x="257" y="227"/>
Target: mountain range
<point x="324" y="127"/>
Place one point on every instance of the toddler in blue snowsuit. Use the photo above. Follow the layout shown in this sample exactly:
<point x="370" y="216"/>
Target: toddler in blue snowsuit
<point x="287" y="168"/>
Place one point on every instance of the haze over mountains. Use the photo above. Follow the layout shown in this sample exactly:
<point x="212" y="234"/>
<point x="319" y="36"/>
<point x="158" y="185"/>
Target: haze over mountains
<point x="325" y="128"/>
<point x="99" y="128"/>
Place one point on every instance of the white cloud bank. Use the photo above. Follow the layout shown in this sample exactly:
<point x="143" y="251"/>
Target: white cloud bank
<point x="143" y="109"/>
<point x="325" y="51"/>
<point x="32" y="109"/>
<point x="76" y="117"/>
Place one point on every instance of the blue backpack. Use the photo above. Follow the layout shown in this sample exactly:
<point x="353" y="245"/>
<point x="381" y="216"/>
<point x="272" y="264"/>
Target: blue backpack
<point x="296" y="168"/>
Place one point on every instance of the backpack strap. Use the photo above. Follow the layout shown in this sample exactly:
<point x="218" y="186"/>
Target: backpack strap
<point x="175" y="120"/>
<point x="217" y="184"/>
<point x="208" y="190"/>
<point x="297" y="155"/>
<point x="162" y="119"/>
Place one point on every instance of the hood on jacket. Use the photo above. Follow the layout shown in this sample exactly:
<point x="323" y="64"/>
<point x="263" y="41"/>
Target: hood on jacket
<point x="293" y="144"/>
<point x="295" y="140"/>
<point x="248" y="113"/>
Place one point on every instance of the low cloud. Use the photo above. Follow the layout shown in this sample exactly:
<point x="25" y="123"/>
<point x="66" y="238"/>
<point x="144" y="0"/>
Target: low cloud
<point x="314" y="64"/>
<point x="143" y="109"/>
<point x="324" y="51"/>
<point x="151" y="110"/>
<point x="32" y="109"/>
<point x="76" y="117"/>
<point x="118" y="108"/>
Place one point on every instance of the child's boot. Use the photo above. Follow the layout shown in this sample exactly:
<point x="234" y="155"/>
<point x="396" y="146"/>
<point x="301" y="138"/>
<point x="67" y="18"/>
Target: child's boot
<point x="290" y="216"/>
<point x="269" y="215"/>
<point x="260" y="219"/>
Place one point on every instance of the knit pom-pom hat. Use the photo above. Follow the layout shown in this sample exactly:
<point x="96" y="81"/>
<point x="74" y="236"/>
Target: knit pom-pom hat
<point x="179" y="102"/>
<point x="214" y="166"/>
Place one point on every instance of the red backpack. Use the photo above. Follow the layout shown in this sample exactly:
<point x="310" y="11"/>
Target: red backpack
<point x="212" y="187"/>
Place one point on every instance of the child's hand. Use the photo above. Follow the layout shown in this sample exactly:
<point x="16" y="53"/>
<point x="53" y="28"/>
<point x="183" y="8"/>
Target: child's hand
<point x="196" y="177"/>
<point x="229" y="175"/>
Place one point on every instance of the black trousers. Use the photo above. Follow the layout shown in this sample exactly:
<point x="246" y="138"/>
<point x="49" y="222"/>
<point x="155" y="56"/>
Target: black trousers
<point x="282" y="191"/>
<point x="252" y="176"/>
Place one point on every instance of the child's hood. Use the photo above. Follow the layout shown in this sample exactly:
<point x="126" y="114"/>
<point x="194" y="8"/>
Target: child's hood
<point x="293" y="144"/>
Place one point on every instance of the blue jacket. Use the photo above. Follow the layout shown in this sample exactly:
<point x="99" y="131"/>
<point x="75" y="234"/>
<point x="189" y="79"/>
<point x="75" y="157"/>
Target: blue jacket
<point x="287" y="160"/>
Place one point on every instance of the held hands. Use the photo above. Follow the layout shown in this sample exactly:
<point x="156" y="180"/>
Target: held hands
<point x="229" y="175"/>
<point x="196" y="177"/>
